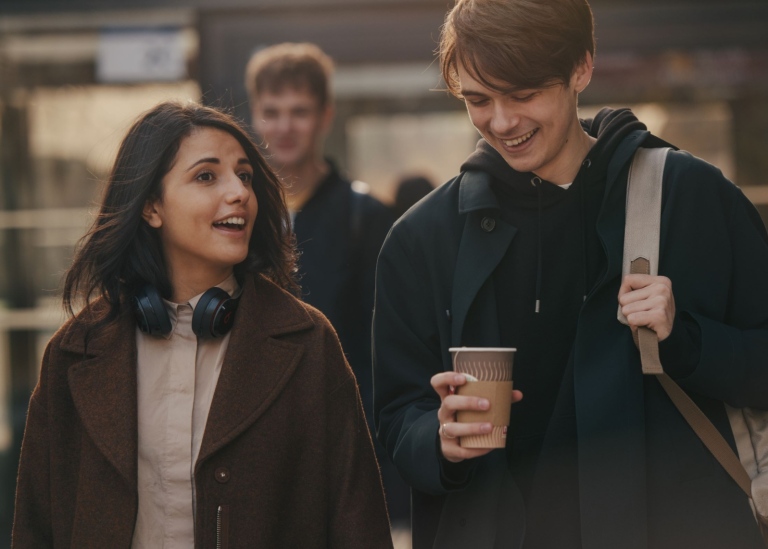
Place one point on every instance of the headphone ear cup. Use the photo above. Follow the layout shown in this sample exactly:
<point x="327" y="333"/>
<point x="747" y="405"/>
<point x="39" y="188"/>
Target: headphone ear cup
<point x="214" y="313"/>
<point x="150" y="313"/>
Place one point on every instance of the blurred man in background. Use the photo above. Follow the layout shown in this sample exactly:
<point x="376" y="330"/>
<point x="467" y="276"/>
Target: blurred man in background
<point x="339" y="227"/>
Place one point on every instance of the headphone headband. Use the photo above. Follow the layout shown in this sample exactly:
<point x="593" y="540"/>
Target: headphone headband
<point x="213" y="316"/>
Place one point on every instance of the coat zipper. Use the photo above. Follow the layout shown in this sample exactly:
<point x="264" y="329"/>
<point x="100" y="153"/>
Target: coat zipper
<point x="218" y="528"/>
<point x="222" y="527"/>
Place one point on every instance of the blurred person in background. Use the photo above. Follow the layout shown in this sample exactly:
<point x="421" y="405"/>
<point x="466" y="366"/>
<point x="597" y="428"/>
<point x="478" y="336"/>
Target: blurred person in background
<point x="339" y="229"/>
<point x="524" y="249"/>
<point x="410" y="190"/>
<point x="155" y="425"/>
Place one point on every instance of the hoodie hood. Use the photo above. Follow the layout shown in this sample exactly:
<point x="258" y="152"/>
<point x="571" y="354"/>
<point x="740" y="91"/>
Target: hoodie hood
<point x="609" y="126"/>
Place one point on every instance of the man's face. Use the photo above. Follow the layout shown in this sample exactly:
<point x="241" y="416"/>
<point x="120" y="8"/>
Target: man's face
<point x="534" y="130"/>
<point x="293" y="125"/>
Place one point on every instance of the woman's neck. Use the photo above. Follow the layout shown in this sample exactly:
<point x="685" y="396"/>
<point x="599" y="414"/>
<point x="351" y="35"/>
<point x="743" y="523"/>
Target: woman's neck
<point x="186" y="287"/>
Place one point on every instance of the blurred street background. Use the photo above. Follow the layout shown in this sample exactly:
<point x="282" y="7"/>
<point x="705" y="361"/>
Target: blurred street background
<point x="75" y="73"/>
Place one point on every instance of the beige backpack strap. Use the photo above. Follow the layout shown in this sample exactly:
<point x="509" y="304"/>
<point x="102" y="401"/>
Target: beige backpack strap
<point x="642" y="235"/>
<point x="641" y="256"/>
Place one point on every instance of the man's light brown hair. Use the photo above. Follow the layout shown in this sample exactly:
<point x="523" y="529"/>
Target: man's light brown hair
<point x="300" y="66"/>
<point x="520" y="44"/>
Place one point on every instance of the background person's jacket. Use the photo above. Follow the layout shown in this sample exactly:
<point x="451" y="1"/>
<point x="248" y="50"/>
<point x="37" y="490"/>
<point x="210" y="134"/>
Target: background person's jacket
<point x="286" y="459"/>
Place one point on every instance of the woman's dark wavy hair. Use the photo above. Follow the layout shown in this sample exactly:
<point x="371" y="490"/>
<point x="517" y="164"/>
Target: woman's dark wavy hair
<point x="121" y="252"/>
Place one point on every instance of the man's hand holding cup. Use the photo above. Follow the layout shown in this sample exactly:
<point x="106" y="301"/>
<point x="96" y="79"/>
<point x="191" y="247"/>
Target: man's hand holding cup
<point x="475" y="402"/>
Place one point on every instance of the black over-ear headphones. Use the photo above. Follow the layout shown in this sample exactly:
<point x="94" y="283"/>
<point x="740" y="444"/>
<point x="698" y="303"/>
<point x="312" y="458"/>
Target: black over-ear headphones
<point x="213" y="316"/>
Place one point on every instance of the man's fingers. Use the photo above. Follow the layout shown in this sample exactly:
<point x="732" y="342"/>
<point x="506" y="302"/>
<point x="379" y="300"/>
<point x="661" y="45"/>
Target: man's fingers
<point x="634" y="282"/>
<point x="650" y="303"/>
<point x="453" y="430"/>
<point x="454" y="403"/>
<point x="632" y="290"/>
<point x="443" y="382"/>
<point x="456" y="453"/>
<point x="449" y="440"/>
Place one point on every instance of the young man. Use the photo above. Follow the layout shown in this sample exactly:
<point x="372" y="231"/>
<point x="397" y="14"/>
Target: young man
<point x="339" y="230"/>
<point x="524" y="249"/>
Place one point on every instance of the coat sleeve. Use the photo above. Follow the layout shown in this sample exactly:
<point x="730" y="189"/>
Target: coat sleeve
<point x="358" y="512"/>
<point x="407" y="353"/>
<point x="375" y="224"/>
<point x="32" y="514"/>
<point x="723" y="283"/>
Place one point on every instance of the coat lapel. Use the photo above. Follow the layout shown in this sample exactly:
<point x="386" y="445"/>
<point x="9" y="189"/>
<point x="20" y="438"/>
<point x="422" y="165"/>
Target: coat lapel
<point x="610" y="223"/>
<point x="257" y="365"/>
<point x="103" y="388"/>
<point x="608" y="389"/>
<point x="484" y="242"/>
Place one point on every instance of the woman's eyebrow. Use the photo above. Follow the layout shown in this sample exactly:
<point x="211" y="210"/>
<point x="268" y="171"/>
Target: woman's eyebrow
<point x="212" y="160"/>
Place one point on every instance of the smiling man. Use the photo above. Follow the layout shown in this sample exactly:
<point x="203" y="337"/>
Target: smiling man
<point x="524" y="249"/>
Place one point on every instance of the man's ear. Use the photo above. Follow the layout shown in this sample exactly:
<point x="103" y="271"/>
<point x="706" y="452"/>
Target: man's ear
<point x="582" y="74"/>
<point x="151" y="214"/>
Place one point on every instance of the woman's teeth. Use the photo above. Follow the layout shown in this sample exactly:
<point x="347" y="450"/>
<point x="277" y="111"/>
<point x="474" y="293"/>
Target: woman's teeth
<point x="232" y="221"/>
<point x="519" y="140"/>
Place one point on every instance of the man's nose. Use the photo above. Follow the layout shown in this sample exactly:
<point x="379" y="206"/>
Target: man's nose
<point x="504" y="119"/>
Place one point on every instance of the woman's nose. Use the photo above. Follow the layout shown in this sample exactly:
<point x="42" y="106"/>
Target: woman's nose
<point x="237" y="189"/>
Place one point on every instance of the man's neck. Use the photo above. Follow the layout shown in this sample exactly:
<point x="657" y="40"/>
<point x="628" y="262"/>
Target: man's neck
<point x="572" y="159"/>
<point x="302" y="181"/>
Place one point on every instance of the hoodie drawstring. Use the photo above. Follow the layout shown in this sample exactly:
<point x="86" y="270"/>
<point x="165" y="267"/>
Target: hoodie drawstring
<point x="584" y="252"/>
<point x="536" y="182"/>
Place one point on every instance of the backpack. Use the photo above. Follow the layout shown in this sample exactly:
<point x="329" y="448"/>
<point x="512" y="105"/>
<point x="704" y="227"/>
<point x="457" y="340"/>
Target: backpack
<point x="641" y="255"/>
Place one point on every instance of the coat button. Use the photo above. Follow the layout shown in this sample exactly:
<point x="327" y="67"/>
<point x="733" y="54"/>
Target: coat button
<point x="488" y="224"/>
<point x="222" y="475"/>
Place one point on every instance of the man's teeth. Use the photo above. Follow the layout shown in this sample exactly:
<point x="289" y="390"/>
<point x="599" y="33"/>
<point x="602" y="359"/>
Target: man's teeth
<point x="232" y="221"/>
<point x="522" y="139"/>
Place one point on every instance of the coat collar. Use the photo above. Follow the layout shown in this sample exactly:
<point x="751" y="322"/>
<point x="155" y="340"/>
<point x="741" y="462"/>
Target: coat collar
<point x="475" y="192"/>
<point x="484" y="242"/>
<point x="256" y="367"/>
<point x="258" y="363"/>
<point x="103" y="388"/>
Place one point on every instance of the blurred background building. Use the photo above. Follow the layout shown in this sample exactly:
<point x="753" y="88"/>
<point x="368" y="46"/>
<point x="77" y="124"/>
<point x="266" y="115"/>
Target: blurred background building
<point x="75" y="73"/>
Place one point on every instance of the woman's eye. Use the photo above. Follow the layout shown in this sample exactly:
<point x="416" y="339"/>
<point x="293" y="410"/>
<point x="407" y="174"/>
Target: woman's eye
<point x="246" y="177"/>
<point x="205" y="176"/>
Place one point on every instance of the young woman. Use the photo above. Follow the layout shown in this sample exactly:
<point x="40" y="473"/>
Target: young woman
<point x="153" y="425"/>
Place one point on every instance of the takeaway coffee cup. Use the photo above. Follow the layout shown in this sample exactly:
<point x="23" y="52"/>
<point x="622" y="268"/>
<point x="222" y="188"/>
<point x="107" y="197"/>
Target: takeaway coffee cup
<point x="488" y="371"/>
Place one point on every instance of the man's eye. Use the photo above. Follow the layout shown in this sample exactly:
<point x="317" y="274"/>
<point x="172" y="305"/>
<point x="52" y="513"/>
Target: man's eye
<point x="525" y="97"/>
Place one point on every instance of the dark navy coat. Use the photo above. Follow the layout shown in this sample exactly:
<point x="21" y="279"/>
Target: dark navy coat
<point x="645" y="480"/>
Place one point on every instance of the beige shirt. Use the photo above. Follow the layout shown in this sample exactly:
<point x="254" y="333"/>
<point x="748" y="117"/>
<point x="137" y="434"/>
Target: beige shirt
<point x="176" y="377"/>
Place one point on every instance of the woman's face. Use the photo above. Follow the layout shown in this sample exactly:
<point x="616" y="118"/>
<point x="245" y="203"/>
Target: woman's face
<point x="206" y="214"/>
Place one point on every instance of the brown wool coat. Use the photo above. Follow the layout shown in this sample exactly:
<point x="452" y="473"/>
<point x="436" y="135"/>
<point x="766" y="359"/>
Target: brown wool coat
<point x="286" y="458"/>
